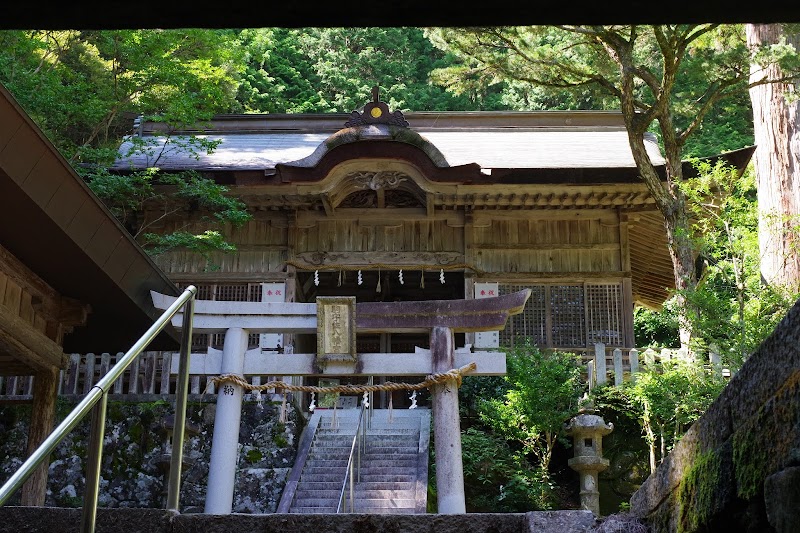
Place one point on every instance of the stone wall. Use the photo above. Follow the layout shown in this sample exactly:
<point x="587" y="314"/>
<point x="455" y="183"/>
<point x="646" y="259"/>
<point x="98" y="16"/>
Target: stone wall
<point x="135" y="466"/>
<point x="738" y="466"/>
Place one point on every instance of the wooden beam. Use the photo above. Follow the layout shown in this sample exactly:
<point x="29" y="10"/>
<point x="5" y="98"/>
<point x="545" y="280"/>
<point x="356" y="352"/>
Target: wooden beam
<point x="27" y="345"/>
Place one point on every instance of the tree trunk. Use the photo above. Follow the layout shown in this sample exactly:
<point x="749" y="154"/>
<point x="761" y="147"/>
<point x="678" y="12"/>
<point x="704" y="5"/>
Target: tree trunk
<point x="777" y="163"/>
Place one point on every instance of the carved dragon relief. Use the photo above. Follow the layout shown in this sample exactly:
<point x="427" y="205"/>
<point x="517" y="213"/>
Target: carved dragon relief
<point x="377" y="180"/>
<point x="363" y="188"/>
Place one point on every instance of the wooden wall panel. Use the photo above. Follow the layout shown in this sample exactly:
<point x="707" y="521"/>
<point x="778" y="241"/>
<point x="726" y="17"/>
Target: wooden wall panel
<point x="548" y="245"/>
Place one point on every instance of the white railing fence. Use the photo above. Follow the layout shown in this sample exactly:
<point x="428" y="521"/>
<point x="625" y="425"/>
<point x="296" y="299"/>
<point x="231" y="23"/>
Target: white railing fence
<point x="618" y="365"/>
<point x="149" y="374"/>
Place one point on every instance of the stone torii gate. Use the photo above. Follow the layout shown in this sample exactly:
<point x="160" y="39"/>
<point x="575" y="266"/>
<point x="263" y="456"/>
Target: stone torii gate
<point x="335" y="320"/>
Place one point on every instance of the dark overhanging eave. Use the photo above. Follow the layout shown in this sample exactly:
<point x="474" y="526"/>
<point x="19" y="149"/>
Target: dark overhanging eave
<point x="55" y="225"/>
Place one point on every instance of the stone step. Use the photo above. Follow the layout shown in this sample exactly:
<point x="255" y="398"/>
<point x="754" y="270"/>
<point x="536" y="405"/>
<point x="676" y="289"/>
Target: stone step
<point x="312" y="510"/>
<point x="321" y="477"/>
<point x="312" y="501"/>
<point x="383" y="510"/>
<point x="380" y="465"/>
<point x="380" y="503"/>
<point x="391" y="450"/>
<point x="303" y="493"/>
<point x="365" y="485"/>
<point x="383" y="494"/>
<point x="387" y="478"/>
<point x="410" y="462"/>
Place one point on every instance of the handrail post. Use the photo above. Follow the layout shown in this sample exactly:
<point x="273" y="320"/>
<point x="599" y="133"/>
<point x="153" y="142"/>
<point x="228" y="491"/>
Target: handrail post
<point x="93" y="464"/>
<point x="181" y="391"/>
<point x="352" y="496"/>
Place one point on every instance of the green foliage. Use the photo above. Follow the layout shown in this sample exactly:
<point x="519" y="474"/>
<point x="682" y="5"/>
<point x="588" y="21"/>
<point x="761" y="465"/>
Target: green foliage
<point x="83" y="87"/>
<point x="543" y="392"/>
<point x="141" y="200"/>
<point x="334" y="69"/>
<point x="656" y="328"/>
<point x="496" y="479"/>
<point x="665" y="400"/>
<point x="730" y="306"/>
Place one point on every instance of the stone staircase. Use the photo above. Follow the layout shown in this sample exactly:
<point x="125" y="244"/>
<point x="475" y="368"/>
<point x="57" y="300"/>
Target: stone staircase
<point x="393" y="474"/>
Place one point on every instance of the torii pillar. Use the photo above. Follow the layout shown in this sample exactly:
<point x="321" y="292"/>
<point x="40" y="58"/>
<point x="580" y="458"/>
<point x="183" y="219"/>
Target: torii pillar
<point x="447" y="427"/>
<point x="441" y="317"/>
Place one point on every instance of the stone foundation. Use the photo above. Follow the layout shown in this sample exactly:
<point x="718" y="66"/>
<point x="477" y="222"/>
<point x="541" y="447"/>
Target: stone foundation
<point x="731" y="469"/>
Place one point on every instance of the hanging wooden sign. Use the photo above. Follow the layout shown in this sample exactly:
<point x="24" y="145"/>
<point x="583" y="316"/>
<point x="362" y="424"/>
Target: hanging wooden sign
<point x="336" y="329"/>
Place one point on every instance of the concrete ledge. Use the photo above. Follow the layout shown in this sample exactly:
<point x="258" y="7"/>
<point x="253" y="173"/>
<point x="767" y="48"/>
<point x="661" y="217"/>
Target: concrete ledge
<point x="61" y="520"/>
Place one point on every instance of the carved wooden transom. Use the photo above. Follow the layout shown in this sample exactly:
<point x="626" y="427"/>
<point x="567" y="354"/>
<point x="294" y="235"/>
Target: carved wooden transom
<point x="378" y="189"/>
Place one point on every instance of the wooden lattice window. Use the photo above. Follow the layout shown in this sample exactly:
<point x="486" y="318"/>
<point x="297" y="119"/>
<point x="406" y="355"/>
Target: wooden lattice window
<point x="567" y="316"/>
<point x="224" y="292"/>
<point x="531" y="322"/>
<point x="604" y="314"/>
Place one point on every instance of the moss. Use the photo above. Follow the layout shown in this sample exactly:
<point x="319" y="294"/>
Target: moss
<point x="280" y="441"/>
<point x="762" y="444"/>
<point x="696" y="493"/>
<point x="254" y="456"/>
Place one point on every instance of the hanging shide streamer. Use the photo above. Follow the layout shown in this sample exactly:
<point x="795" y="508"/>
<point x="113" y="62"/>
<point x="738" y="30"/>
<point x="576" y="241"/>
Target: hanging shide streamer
<point x="422" y="280"/>
<point x="316" y="278"/>
<point x="340" y="279"/>
<point x="441" y="276"/>
<point x="313" y="404"/>
<point x="390" y="407"/>
<point x="400" y="276"/>
<point x="378" y="288"/>
<point x="360" y="278"/>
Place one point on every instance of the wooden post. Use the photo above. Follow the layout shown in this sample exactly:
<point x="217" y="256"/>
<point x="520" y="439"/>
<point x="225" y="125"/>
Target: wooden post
<point x="600" y="362"/>
<point x="447" y="427"/>
<point x="43" y="413"/>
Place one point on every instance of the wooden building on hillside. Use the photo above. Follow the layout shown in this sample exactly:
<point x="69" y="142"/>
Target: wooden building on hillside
<point x="71" y="278"/>
<point x="388" y="206"/>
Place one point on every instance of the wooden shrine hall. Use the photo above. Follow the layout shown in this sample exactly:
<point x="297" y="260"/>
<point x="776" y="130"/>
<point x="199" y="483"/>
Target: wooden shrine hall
<point x="391" y="206"/>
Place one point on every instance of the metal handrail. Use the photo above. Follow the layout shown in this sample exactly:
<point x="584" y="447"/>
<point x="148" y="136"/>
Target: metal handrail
<point x="95" y="401"/>
<point x="360" y="439"/>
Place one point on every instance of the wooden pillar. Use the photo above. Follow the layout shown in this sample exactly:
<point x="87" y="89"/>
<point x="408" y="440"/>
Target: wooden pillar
<point x="469" y="260"/>
<point x="447" y="427"/>
<point x="43" y="414"/>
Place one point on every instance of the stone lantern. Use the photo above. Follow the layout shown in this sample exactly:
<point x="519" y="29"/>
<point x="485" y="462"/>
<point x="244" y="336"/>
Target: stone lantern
<point x="587" y="429"/>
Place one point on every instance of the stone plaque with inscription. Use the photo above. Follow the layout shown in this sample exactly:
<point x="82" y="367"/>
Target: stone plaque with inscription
<point x="336" y="329"/>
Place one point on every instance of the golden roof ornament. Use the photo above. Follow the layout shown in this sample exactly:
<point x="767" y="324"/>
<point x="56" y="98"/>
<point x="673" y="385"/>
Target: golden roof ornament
<point x="376" y="112"/>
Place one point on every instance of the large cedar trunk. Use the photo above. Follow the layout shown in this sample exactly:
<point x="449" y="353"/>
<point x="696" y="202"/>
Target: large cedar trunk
<point x="777" y="163"/>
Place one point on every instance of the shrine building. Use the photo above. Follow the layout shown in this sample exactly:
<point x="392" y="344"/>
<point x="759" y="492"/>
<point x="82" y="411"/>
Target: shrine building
<point x="391" y="206"/>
